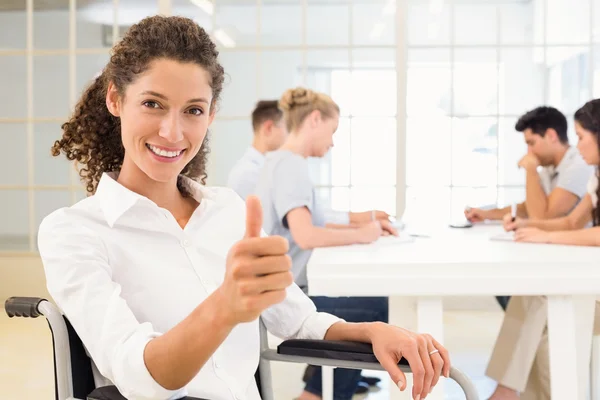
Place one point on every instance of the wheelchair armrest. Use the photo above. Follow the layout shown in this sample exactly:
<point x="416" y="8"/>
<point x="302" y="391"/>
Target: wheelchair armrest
<point x="331" y="350"/>
<point x="111" y="393"/>
<point x="352" y="355"/>
<point x="23" y="307"/>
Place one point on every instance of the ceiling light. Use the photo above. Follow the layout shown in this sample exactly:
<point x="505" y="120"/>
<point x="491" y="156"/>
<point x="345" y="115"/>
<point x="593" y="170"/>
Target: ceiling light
<point x="224" y="38"/>
<point x="206" y="5"/>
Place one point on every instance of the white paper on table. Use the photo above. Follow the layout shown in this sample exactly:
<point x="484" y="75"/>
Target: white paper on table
<point x="504" y="236"/>
<point x="392" y="240"/>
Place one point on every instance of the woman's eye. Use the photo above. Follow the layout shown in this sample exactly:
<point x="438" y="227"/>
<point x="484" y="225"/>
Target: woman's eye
<point x="195" y="111"/>
<point x="151" y="104"/>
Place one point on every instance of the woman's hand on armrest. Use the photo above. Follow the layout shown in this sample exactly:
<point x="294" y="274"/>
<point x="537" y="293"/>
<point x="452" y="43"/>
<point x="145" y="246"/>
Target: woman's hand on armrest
<point x="391" y="343"/>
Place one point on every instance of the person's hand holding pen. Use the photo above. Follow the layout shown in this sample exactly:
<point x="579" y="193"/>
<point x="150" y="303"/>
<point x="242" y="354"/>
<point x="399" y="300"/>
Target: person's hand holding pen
<point x="511" y="222"/>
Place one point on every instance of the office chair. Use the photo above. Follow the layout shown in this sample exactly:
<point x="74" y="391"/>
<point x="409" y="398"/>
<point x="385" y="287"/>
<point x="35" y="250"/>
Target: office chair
<point x="73" y="368"/>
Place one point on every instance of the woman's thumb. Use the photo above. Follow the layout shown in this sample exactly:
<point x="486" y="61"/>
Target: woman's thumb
<point x="254" y="217"/>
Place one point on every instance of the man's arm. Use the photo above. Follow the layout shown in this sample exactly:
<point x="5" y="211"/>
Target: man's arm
<point x="557" y="204"/>
<point x="536" y="201"/>
<point x="577" y="219"/>
<point x="540" y="206"/>
<point x="479" y="215"/>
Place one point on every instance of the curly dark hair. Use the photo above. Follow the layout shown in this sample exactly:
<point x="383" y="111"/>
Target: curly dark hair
<point x="92" y="136"/>
<point x="588" y="117"/>
<point x="540" y="119"/>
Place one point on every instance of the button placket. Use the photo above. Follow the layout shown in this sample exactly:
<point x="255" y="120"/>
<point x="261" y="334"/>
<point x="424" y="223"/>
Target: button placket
<point x="195" y="260"/>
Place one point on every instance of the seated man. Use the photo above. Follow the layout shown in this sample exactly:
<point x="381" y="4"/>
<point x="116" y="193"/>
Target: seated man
<point x="519" y="362"/>
<point x="561" y="183"/>
<point x="269" y="134"/>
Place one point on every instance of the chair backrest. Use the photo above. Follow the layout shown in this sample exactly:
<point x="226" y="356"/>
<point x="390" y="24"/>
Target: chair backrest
<point x="81" y="365"/>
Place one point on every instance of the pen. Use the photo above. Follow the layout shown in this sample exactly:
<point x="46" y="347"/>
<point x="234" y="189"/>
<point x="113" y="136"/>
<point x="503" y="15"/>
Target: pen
<point x="513" y="211"/>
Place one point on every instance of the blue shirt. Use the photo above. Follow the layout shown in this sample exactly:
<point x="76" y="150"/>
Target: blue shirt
<point x="244" y="174"/>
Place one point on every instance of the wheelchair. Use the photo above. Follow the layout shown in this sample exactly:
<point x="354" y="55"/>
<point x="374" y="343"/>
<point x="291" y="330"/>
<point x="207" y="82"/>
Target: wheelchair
<point x="73" y="368"/>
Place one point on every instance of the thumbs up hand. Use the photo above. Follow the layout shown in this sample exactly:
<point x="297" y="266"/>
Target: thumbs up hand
<point x="258" y="270"/>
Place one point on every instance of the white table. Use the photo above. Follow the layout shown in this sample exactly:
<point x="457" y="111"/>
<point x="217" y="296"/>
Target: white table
<point x="465" y="262"/>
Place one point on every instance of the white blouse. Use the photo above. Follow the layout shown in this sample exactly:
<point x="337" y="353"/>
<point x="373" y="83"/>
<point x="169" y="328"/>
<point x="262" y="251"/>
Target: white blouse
<point x="123" y="271"/>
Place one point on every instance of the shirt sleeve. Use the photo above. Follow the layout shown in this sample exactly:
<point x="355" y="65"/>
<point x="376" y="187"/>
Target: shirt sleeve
<point x="297" y="318"/>
<point x="545" y="180"/>
<point x="292" y="187"/>
<point x="574" y="178"/>
<point x="79" y="280"/>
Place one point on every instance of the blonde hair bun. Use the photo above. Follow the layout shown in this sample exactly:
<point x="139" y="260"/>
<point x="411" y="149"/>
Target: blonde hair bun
<point x="297" y="97"/>
<point x="298" y="103"/>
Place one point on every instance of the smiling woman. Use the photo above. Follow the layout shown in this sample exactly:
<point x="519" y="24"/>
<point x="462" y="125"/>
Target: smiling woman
<point x="159" y="259"/>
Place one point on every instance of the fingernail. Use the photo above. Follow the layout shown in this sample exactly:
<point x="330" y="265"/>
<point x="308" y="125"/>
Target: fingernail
<point x="418" y="397"/>
<point x="400" y="383"/>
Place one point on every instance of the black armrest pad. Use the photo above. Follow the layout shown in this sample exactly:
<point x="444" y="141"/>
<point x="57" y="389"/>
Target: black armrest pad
<point x="330" y="349"/>
<point x="23" y="307"/>
<point x="111" y="393"/>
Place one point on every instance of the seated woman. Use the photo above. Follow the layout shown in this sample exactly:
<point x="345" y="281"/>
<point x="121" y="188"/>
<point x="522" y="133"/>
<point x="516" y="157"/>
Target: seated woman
<point x="292" y="211"/>
<point x="519" y="362"/>
<point x="162" y="278"/>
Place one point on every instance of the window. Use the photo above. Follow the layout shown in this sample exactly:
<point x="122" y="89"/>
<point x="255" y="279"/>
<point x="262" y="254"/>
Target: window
<point x="473" y="69"/>
<point x="362" y="163"/>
